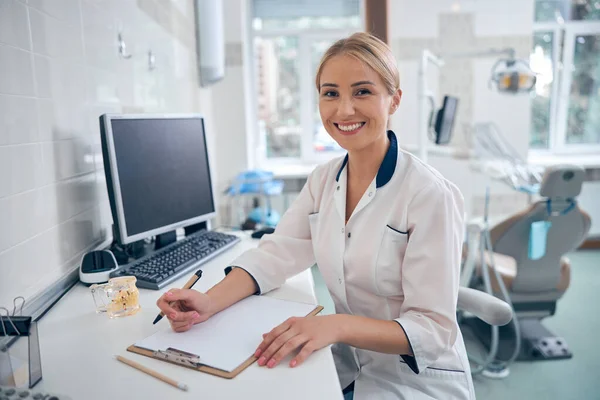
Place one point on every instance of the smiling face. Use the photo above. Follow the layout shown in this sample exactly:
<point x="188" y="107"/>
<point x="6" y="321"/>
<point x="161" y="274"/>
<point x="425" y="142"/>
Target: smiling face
<point x="354" y="102"/>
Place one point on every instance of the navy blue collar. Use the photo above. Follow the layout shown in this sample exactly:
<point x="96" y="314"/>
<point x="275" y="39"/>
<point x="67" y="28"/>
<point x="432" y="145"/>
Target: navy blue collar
<point x="388" y="165"/>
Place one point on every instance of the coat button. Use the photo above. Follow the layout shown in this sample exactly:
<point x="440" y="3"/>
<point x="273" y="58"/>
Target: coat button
<point x="349" y="234"/>
<point x="338" y="188"/>
<point x="370" y="194"/>
<point x="340" y="280"/>
<point x="342" y="230"/>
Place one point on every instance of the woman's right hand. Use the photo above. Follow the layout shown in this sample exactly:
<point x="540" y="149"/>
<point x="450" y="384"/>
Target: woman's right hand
<point x="184" y="308"/>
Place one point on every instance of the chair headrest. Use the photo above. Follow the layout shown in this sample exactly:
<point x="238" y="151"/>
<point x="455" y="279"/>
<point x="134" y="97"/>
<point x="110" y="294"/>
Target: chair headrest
<point x="562" y="181"/>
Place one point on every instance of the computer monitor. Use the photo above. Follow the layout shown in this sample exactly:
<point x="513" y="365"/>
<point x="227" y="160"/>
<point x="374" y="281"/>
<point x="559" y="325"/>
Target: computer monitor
<point x="157" y="173"/>
<point x="445" y="120"/>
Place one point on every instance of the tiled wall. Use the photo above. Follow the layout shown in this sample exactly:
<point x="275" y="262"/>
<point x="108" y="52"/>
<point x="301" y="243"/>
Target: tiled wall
<point x="59" y="70"/>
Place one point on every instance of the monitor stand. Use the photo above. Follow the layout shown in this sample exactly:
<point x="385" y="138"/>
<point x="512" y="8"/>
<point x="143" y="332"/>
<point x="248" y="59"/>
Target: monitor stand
<point x="195" y="228"/>
<point x="167" y="238"/>
<point x="164" y="239"/>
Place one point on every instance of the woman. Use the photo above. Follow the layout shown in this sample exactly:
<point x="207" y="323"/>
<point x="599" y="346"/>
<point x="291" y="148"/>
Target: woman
<point x="386" y="233"/>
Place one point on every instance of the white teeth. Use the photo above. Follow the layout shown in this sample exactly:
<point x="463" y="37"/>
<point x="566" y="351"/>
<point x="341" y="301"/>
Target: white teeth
<point x="349" y="128"/>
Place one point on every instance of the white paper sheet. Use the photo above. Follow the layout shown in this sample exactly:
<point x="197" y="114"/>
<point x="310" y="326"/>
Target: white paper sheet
<point x="228" y="338"/>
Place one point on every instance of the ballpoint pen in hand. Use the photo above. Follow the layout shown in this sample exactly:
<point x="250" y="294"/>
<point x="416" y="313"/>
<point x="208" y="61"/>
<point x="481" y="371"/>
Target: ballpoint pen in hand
<point x="188" y="285"/>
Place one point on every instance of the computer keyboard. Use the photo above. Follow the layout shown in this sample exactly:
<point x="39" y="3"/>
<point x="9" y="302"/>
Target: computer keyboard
<point x="160" y="268"/>
<point x="11" y="393"/>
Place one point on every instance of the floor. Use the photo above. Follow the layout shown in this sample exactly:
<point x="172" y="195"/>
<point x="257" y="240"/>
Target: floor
<point x="577" y="319"/>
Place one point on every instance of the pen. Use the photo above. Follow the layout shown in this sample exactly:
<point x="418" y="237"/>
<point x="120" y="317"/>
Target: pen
<point x="153" y="373"/>
<point x="188" y="285"/>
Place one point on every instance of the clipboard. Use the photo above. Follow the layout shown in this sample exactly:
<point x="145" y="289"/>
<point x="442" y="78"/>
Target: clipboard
<point x="193" y="361"/>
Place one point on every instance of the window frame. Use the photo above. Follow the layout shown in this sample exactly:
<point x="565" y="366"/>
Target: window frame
<point x="572" y="30"/>
<point x="554" y="100"/>
<point x="561" y="85"/>
<point x="308" y="94"/>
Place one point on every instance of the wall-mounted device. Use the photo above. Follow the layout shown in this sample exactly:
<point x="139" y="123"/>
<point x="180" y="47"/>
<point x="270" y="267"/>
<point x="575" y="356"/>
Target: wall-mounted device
<point x="210" y="41"/>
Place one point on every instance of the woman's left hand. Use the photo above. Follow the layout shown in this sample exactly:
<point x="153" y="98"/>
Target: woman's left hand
<point x="311" y="333"/>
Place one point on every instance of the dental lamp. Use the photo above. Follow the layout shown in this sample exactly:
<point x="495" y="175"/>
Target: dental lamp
<point x="509" y="75"/>
<point x="512" y="76"/>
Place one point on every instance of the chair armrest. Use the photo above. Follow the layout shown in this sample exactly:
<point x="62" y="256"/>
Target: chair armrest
<point x="484" y="306"/>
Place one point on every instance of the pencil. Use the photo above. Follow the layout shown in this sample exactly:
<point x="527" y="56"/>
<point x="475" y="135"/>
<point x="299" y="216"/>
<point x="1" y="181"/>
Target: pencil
<point x="155" y="374"/>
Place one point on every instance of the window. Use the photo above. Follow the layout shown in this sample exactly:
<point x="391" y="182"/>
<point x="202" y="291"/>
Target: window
<point x="566" y="56"/>
<point x="289" y="38"/>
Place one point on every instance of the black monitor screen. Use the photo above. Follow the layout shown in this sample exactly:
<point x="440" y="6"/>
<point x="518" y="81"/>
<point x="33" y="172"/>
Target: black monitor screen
<point x="163" y="170"/>
<point x="445" y="120"/>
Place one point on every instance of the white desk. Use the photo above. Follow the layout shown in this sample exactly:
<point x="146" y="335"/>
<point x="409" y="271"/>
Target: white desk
<point x="77" y="347"/>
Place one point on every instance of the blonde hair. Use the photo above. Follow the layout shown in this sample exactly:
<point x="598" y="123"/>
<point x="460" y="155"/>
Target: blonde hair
<point x="371" y="51"/>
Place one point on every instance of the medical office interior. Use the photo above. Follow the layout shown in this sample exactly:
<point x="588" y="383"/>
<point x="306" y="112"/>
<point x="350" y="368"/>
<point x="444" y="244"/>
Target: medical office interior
<point x="501" y="97"/>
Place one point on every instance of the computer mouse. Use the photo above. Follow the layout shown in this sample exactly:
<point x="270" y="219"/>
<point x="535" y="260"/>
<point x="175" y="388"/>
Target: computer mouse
<point x="260" y="232"/>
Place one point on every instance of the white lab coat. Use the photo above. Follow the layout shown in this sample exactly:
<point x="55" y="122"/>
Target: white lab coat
<point x="397" y="258"/>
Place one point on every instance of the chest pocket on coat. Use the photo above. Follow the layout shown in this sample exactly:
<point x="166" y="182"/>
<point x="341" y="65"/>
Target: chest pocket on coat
<point x="388" y="268"/>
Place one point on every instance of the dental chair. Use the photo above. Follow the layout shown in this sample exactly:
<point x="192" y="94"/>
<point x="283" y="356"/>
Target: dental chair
<point x="529" y="253"/>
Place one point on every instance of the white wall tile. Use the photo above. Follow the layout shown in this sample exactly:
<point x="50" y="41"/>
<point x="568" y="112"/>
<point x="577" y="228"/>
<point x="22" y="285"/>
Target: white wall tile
<point x="18" y="120"/>
<point x="69" y="100"/>
<point x="16" y="72"/>
<point x="14" y="25"/>
<point x="65" y="159"/>
<point x="107" y="5"/>
<point x="24" y="261"/>
<point x="42" y="31"/>
<point x="106" y="217"/>
<point x="101" y="188"/>
<point x="76" y="234"/>
<point x="46" y="119"/>
<point x="182" y="59"/>
<point x="43" y="75"/>
<point x="100" y="35"/>
<point x="185" y="7"/>
<point x="74" y="196"/>
<point x="102" y="87"/>
<point x="27" y="214"/>
<point x="55" y="38"/>
<point x="65" y="84"/>
<point x="36" y="263"/>
<point x="63" y="10"/>
<point x="20" y="168"/>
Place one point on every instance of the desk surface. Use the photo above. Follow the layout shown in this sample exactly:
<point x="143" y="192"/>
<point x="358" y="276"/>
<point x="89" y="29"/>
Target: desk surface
<point x="77" y="347"/>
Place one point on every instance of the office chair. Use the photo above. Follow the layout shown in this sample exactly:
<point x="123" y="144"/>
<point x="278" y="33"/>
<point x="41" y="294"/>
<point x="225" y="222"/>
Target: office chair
<point x="529" y="253"/>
